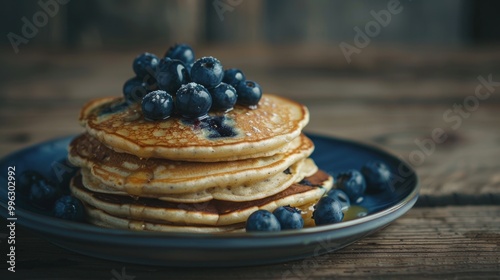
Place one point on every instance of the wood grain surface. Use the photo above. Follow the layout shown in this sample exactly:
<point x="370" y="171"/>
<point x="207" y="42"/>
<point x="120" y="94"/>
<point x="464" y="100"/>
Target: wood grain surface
<point x="395" y="99"/>
<point x="428" y="242"/>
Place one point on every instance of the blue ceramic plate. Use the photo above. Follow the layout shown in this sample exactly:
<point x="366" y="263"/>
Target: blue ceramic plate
<point x="172" y="249"/>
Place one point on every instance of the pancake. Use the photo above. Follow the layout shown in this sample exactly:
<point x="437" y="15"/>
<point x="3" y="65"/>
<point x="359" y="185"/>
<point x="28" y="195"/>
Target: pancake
<point x="238" y="134"/>
<point x="103" y="219"/>
<point x="213" y="212"/>
<point x="161" y="177"/>
<point x="253" y="191"/>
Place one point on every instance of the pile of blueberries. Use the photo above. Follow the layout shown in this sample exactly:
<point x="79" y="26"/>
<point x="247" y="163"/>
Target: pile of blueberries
<point x="177" y="84"/>
<point x="351" y="186"/>
<point x="52" y="193"/>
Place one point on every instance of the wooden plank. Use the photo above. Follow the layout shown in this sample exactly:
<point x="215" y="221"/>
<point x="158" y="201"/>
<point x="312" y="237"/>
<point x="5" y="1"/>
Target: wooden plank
<point x="304" y="72"/>
<point x="461" y="170"/>
<point x="438" y="243"/>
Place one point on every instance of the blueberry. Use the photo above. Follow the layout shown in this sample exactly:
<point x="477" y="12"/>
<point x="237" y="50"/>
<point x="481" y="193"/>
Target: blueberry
<point x="69" y="208"/>
<point x="43" y="193"/>
<point x="207" y="71"/>
<point x="328" y="210"/>
<point x="217" y="127"/>
<point x="136" y="88"/>
<point x="223" y="97"/>
<point x="249" y="93"/>
<point x="157" y="105"/>
<point x="262" y="220"/>
<point x="171" y="75"/>
<point x="145" y="64"/>
<point x="233" y="77"/>
<point x="114" y="107"/>
<point x="193" y="101"/>
<point x="183" y="53"/>
<point x="289" y="217"/>
<point x="352" y="183"/>
<point x="377" y="176"/>
<point x="341" y="197"/>
<point x="26" y="179"/>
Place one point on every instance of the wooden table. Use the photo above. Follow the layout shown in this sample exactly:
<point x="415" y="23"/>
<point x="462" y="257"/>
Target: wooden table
<point x="392" y="98"/>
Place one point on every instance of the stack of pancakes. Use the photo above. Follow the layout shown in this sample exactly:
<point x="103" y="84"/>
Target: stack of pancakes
<point x="204" y="175"/>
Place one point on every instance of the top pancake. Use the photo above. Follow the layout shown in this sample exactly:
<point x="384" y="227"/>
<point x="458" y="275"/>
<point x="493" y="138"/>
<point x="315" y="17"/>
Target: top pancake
<point x="238" y="134"/>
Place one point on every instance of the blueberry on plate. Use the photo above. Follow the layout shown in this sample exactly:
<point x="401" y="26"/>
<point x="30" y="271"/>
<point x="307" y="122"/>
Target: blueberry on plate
<point x="223" y="97"/>
<point x="377" y="176"/>
<point x="193" y="101"/>
<point x="157" y="105"/>
<point x="26" y="179"/>
<point x="43" y="193"/>
<point x="69" y="208"/>
<point x="341" y="197"/>
<point x="249" y="93"/>
<point x="136" y="88"/>
<point x="352" y="183"/>
<point x="171" y="75"/>
<point x="289" y="217"/>
<point x="262" y="220"/>
<point x="183" y="53"/>
<point x="145" y="64"/>
<point x="233" y="77"/>
<point x="328" y="210"/>
<point x="207" y="71"/>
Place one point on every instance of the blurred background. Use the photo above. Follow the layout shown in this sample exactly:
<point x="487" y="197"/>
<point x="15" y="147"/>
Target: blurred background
<point x="383" y="71"/>
<point x="94" y="24"/>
